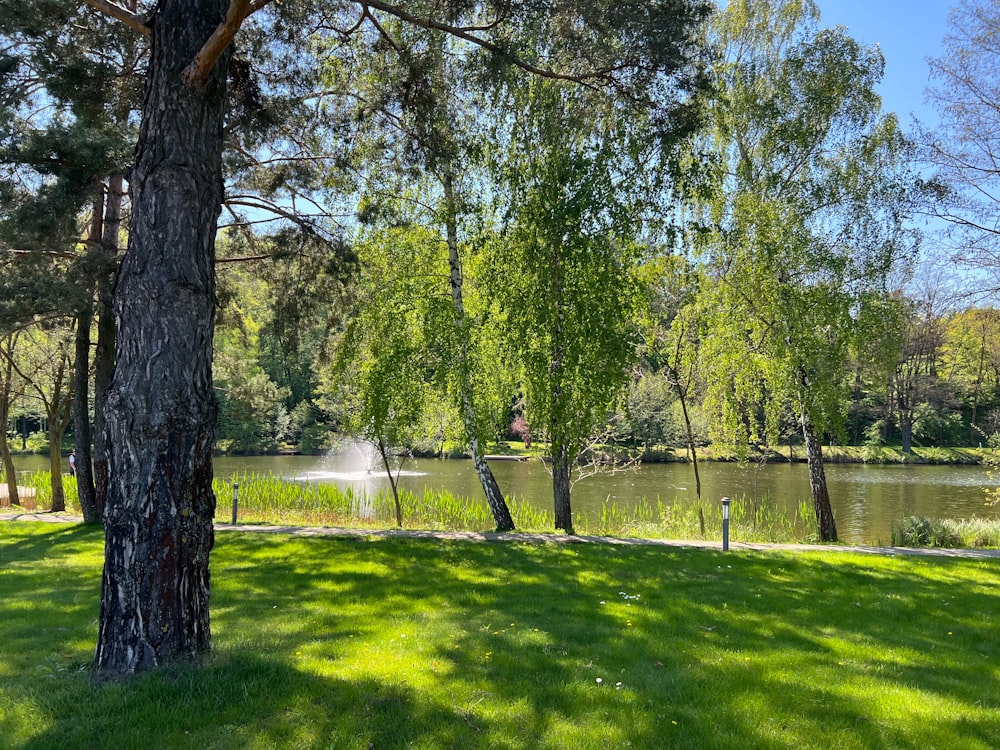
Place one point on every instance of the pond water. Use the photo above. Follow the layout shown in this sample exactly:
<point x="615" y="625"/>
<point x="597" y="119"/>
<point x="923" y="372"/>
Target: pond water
<point x="866" y="499"/>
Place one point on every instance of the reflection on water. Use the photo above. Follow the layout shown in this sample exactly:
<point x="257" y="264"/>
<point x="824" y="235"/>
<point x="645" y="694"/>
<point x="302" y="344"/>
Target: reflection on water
<point x="866" y="499"/>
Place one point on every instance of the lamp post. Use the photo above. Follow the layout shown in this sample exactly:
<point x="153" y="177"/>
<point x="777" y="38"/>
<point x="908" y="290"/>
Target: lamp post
<point x="236" y="499"/>
<point x="725" y="524"/>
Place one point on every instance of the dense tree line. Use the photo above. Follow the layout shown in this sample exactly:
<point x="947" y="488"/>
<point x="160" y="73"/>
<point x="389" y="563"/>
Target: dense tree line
<point x="646" y="224"/>
<point x="939" y="385"/>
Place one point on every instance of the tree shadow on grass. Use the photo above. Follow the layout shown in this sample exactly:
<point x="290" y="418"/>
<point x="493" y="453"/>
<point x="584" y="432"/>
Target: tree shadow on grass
<point x="249" y="701"/>
<point x="524" y="633"/>
<point x="420" y="643"/>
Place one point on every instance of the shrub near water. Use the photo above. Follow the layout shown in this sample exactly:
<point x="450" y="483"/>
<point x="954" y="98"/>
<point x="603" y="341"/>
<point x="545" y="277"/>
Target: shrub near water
<point x="919" y="531"/>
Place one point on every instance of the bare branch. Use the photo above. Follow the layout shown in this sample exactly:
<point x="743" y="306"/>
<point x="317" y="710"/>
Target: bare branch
<point x="127" y="17"/>
<point x="466" y="33"/>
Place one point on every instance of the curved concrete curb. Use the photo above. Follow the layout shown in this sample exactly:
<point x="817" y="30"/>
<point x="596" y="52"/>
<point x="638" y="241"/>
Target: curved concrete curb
<point x="517" y="536"/>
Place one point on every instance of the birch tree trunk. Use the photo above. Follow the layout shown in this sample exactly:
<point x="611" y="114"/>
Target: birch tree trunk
<point x="494" y="497"/>
<point x="561" y="489"/>
<point x="817" y="482"/>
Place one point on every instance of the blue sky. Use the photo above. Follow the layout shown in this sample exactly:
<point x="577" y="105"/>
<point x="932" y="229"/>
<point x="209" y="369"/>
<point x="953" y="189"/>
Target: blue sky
<point x="908" y="31"/>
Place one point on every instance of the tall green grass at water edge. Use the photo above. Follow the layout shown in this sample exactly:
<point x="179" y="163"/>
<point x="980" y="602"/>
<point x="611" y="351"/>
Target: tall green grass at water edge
<point x="40" y="483"/>
<point x="271" y="499"/>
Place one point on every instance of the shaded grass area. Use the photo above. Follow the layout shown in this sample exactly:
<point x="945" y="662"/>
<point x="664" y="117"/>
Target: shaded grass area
<point x="403" y="643"/>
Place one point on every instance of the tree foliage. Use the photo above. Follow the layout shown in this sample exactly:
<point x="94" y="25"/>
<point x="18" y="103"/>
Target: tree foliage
<point x="806" y="218"/>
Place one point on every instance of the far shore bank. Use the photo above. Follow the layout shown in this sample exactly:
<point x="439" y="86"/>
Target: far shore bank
<point x="835" y="454"/>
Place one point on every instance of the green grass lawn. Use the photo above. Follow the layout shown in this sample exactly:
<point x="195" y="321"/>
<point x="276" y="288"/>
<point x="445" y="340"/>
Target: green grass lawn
<point x="417" y="643"/>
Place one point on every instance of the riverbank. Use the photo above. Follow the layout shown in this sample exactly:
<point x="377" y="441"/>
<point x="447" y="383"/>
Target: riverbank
<point x="832" y="454"/>
<point x="546" y="538"/>
<point x="835" y="454"/>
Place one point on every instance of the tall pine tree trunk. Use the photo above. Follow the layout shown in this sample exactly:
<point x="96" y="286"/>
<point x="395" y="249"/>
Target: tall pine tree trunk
<point x="161" y="409"/>
<point x="82" y="435"/>
<point x="104" y="350"/>
<point x="6" y="396"/>
<point x="494" y="497"/>
<point x="817" y="482"/>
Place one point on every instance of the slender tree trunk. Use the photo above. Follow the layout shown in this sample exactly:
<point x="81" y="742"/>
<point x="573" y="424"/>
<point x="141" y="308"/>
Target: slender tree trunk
<point x="383" y="452"/>
<point x="561" y="489"/>
<point x="6" y="396"/>
<point x="104" y="351"/>
<point x="55" y="480"/>
<point x="561" y="485"/>
<point x="688" y="431"/>
<point x="161" y="408"/>
<point x="494" y="497"/>
<point x="60" y="412"/>
<point x="817" y="482"/>
<point x="82" y="437"/>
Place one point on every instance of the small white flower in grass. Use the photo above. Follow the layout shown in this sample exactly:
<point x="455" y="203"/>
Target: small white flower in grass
<point x="618" y="686"/>
<point x="599" y="681"/>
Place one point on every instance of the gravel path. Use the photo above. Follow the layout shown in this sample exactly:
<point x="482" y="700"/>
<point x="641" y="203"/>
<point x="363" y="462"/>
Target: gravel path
<point x="516" y="536"/>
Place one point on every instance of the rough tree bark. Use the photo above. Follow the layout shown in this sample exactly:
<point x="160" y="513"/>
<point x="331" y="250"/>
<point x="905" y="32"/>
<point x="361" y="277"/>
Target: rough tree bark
<point x="161" y="409"/>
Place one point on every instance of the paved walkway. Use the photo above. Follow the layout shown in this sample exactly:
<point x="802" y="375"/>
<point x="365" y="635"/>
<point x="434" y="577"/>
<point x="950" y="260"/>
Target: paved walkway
<point x="518" y="536"/>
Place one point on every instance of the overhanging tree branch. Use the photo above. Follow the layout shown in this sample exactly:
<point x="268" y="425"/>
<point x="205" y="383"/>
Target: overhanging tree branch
<point x="466" y="33"/>
<point x="239" y="10"/>
<point x="127" y="17"/>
